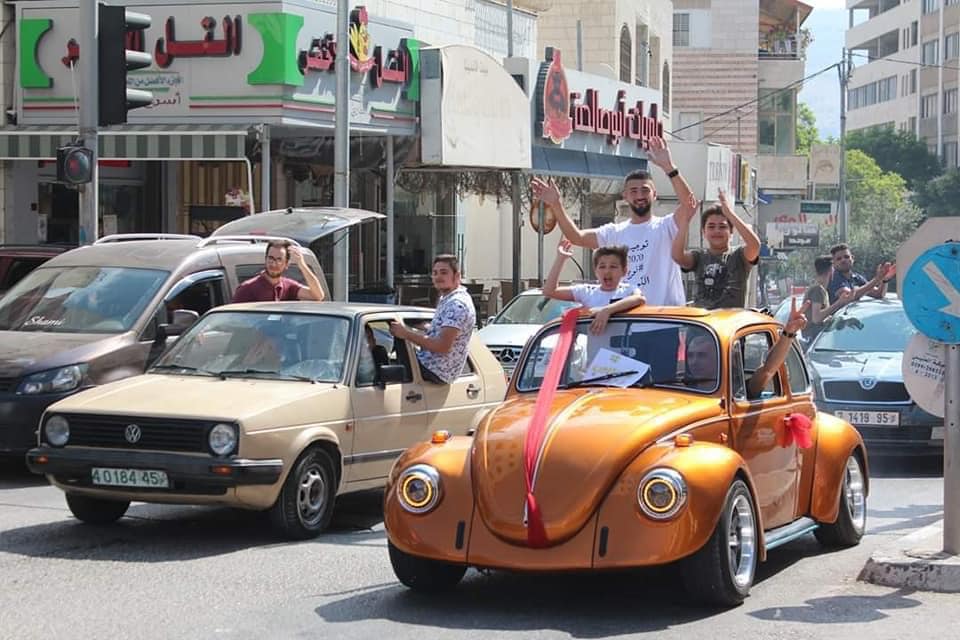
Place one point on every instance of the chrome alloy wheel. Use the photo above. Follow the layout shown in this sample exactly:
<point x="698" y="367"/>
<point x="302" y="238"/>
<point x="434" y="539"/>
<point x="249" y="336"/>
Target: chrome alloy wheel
<point x="742" y="541"/>
<point x="853" y="488"/>
<point x="311" y="495"/>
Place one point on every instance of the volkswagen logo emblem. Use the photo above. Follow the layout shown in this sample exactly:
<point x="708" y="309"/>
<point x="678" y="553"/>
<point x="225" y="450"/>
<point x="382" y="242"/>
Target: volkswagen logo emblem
<point x="868" y="383"/>
<point x="132" y="433"/>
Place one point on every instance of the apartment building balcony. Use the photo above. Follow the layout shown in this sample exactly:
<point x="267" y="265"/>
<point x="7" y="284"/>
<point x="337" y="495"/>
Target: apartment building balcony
<point x="782" y="42"/>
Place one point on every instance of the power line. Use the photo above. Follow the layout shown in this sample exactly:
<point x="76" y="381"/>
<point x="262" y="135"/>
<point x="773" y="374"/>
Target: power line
<point x="755" y="100"/>
<point x="910" y="62"/>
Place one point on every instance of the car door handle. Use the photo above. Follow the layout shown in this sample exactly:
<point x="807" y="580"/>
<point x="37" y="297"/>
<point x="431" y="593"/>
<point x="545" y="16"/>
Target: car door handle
<point x="413" y="396"/>
<point x="473" y="391"/>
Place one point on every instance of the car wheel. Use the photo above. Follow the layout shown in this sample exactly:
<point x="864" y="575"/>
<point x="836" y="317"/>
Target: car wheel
<point x="721" y="572"/>
<point x="423" y="574"/>
<point x="852" y="517"/>
<point x="96" y="510"/>
<point x="305" y="505"/>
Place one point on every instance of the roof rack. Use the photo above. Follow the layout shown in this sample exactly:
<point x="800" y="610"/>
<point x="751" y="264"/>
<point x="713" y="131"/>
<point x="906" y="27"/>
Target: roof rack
<point x="126" y="237"/>
<point x="206" y="242"/>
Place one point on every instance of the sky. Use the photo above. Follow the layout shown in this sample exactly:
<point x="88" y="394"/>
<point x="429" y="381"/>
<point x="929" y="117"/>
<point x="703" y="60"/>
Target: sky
<point x="827" y="23"/>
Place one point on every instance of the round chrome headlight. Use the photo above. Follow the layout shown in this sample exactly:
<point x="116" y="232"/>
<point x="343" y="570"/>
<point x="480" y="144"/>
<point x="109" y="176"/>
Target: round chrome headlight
<point x="222" y="439"/>
<point x="418" y="488"/>
<point x="56" y="431"/>
<point x="662" y="493"/>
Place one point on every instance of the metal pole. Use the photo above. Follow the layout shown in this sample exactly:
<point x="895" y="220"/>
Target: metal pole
<point x="951" y="451"/>
<point x="509" y="28"/>
<point x="390" y="213"/>
<point x="341" y="150"/>
<point x="842" y="203"/>
<point x="89" y="117"/>
<point x="579" y="45"/>
<point x="540" y="243"/>
<point x="514" y="177"/>
<point x="265" y="168"/>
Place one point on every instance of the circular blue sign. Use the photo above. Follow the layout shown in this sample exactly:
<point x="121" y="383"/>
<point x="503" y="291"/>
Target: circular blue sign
<point x="931" y="293"/>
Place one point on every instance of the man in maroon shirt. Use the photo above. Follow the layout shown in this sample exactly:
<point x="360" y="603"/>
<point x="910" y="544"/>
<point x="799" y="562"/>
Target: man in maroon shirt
<point x="270" y="285"/>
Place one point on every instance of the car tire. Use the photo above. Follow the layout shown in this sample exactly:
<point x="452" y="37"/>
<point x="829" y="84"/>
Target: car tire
<point x="96" y="510"/>
<point x="305" y="504"/>
<point x="423" y="574"/>
<point x="722" y="571"/>
<point x="852" y="517"/>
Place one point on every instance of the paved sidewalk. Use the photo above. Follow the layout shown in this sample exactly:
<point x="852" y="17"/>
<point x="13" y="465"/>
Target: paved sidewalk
<point x="916" y="561"/>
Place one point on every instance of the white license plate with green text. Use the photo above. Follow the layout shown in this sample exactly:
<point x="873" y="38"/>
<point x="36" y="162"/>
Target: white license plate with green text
<point x="112" y="477"/>
<point x="870" y="418"/>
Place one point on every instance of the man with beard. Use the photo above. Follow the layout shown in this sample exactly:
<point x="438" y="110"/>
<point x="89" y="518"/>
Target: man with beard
<point x="270" y="285"/>
<point x="844" y="277"/>
<point x="648" y="238"/>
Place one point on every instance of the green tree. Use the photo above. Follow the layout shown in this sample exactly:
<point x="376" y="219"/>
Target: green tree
<point x="898" y="152"/>
<point x="941" y="195"/>
<point x="807" y="133"/>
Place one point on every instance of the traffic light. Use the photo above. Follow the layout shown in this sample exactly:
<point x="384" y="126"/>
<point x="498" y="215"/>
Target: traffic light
<point x="115" y="60"/>
<point x="74" y="164"/>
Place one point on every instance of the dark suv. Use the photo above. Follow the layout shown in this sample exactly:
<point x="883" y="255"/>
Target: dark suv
<point x="16" y="261"/>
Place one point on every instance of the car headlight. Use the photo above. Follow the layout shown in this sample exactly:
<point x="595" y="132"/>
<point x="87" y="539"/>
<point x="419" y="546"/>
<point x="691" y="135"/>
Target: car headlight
<point x="56" y="430"/>
<point x="222" y="439"/>
<point x="418" y="488"/>
<point x="662" y="493"/>
<point x="54" y="380"/>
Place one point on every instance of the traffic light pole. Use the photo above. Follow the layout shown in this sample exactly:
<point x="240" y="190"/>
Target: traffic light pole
<point x="341" y="153"/>
<point x="89" y="112"/>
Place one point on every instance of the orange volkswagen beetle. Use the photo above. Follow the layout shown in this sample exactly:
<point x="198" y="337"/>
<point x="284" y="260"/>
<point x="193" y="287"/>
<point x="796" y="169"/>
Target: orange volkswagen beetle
<point x="643" y="444"/>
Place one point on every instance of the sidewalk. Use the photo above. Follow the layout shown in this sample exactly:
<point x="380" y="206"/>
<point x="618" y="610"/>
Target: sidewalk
<point x="916" y="561"/>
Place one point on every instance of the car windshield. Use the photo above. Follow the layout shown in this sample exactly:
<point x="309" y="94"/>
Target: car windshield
<point x="630" y="352"/>
<point x="79" y="299"/>
<point x="256" y="344"/>
<point x="867" y="327"/>
<point x="532" y="310"/>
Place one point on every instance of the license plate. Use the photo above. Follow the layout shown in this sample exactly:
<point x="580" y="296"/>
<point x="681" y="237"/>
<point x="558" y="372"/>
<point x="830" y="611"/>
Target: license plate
<point x="937" y="433"/>
<point x="110" y="477"/>
<point x="870" y="418"/>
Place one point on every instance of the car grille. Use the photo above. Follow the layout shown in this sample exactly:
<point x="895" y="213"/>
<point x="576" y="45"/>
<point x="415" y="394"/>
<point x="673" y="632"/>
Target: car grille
<point x="851" y="391"/>
<point x="159" y="434"/>
<point x="8" y="385"/>
<point x="508" y="356"/>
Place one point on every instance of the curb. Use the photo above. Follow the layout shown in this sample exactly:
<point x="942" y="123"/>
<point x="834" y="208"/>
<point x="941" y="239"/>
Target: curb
<point x="917" y="561"/>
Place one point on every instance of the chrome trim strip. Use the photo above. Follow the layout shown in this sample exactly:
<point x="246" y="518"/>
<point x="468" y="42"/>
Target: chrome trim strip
<point x="782" y="535"/>
<point x="373" y="456"/>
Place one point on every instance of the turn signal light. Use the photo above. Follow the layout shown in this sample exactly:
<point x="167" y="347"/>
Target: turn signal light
<point x="221" y="469"/>
<point x="41" y="459"/>
<point x="439" y="437"/>
<point x="683" y="440"/>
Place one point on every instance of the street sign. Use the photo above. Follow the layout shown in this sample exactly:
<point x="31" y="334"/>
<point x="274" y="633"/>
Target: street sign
<point x="923" y="369"/>
<point x="932" y="232"/>
<point x="931" y="293"/>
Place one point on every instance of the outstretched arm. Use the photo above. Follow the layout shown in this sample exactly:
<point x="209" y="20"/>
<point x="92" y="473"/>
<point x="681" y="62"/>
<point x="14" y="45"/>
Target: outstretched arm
<point x="678" y="246"/>
<point x="546" y="192"/>
<point x="550" y="288"/>
<point x="602" y="315"/>
<point x="659" y="154"/>
<point x="797" y="321"/>
<point x="751" y="242"/>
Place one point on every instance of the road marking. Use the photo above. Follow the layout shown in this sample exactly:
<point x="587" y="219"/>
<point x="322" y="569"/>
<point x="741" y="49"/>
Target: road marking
<point x="946" y="288"/>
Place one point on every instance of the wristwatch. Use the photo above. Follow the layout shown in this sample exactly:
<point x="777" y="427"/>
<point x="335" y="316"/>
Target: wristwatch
<point x="673" y="174"/>
<point x="788" y="334"/>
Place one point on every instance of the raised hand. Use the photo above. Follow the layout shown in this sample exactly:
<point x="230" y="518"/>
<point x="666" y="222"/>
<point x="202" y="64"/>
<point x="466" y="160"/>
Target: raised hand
<point x="886" y="270"/>
<point x="689" y="207"/>
<point x="545" y="191"/>
<point x="722" y="198"/>
<point x="846" y="295"/>
<point x="296" y="256"/>
<point x="659" y="154"/>
<point x="564" y="249"/>
<point x="798" y="317"/>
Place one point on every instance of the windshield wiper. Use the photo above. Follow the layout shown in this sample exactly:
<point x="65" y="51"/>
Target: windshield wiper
<point x="829" y="350"/>
<point x="683" y="381"/>
<point x="182" y="367"/>
<point x="607" y="376"/>
<point x="249" y="371"/>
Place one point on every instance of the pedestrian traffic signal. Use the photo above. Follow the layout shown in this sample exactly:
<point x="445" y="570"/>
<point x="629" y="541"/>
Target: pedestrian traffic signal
<point x="117" y="28"/>
<point x="74" y="164"/>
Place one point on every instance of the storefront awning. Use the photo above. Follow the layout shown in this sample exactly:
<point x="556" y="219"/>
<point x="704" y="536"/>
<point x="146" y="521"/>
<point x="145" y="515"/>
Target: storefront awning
<point x="131" y="142"/>
<point x="583" y="164"/>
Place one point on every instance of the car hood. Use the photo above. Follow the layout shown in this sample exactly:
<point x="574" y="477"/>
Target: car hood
<point x="25" y="352"/>
<point x="507" y="335"/>
<point x="857" y="365"/>
<point x="593" y="435"/>
<point x="257" y="404"/>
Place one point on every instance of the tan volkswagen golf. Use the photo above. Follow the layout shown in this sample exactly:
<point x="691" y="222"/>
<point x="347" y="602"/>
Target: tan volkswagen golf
<point x="266" y="406"/>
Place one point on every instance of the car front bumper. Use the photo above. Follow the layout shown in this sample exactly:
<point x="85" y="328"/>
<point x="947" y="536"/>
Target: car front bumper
<point x="186" y="474"/>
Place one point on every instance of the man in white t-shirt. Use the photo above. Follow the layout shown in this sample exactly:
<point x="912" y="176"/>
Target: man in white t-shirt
<point x="610" y="295"/>
<point x="648" y="238"/>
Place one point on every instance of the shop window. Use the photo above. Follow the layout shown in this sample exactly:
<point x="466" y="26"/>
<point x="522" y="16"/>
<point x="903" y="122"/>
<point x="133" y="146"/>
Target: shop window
<point x="626" y="55"/>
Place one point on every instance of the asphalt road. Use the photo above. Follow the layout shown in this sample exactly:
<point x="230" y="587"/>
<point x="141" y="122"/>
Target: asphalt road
<point x="184" y="572"/>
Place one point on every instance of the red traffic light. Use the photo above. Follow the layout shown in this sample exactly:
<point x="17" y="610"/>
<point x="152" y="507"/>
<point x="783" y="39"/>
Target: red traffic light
<point x="74" y="165"/>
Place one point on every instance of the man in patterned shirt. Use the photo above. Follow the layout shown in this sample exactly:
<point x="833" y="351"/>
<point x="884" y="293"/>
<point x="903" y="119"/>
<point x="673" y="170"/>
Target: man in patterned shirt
<point x="444" y="346"/>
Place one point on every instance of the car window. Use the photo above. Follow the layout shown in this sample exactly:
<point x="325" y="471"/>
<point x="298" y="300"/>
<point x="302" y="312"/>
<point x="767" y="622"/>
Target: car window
<point x="755" y="348"/>
<point x="378" y="347"/>
<point x="80" y="299"/>
<point x="532" y="309"/>
<point x="261" y="345"/>
<point x="797" y="372"/>
<point x="18" y="270"/>
<point x="736" y="368"/>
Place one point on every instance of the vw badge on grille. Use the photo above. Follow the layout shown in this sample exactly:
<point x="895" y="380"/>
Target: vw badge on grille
<point x="868" y="383"/>
<point x="132" y="433"/>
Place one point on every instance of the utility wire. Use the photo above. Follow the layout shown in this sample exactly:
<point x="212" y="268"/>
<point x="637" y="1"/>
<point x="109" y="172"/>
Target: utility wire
<point x="755" y="100"/>
<point x="910" y="62"/>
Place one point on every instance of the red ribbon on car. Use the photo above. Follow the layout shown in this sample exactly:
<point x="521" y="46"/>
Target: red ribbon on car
<point x="797" y="428"/>
<point x="537" y="429"/>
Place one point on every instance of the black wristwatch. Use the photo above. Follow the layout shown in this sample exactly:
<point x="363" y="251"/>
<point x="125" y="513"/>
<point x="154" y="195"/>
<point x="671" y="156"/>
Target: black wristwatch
<point x="788" y="334"/>
<point x="673" y="174"/>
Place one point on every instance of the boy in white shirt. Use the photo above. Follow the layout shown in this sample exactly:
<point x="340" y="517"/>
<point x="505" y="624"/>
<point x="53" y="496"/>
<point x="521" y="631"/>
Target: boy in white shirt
<point x="612" y="294"/>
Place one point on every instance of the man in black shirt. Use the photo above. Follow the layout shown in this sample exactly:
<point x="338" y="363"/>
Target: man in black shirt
<point x="844" y="277"/>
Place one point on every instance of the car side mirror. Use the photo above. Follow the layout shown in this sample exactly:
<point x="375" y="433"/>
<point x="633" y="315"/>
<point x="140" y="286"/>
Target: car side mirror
<point x="183" y="319"/>
<point x="391" y="373"/>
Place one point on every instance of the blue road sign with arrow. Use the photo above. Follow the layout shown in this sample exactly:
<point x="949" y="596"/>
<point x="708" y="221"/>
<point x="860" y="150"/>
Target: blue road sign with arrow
<point x="931" y="293"/>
